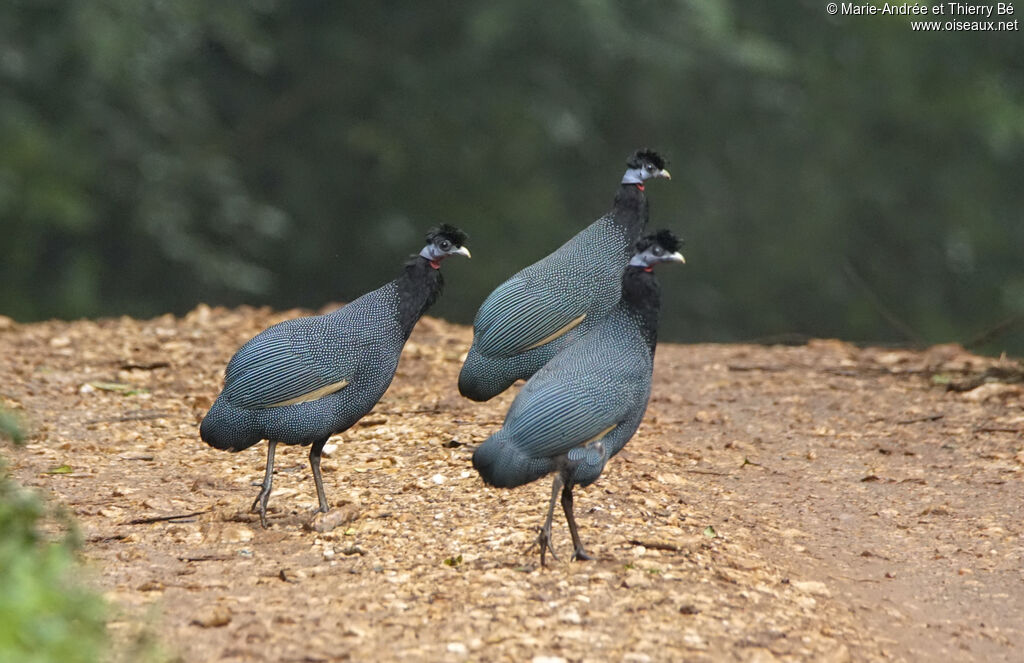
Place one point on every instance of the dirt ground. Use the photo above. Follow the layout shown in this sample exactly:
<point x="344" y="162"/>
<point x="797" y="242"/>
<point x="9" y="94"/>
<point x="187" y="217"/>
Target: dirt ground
<point x="815" y="503"/>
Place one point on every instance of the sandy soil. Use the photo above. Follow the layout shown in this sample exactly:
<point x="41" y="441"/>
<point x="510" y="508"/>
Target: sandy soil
<point x="815" y="503"/>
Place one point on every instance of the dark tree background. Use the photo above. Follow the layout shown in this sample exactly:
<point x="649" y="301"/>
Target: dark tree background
<point x="833" y="176"/>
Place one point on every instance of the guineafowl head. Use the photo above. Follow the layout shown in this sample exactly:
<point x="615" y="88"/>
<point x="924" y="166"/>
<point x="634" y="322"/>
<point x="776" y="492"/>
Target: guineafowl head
<point x="645" y="164"/>
<point x="443" y="241"/>
<point x="661" y="246"/>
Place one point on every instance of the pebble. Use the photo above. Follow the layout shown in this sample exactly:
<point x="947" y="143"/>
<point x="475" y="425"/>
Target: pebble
<point x="811" y="587"/>
<point x="636" y="657"/>
<point x="693" y="640"/>
<point x="571" y="617"/>
<point x="759" y="655"/>
<point x="214" y="617"/>
<point x="237" y="534"/>
<point x="458" y="648"/>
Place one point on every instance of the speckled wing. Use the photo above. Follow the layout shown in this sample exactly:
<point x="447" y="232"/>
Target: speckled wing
<point x="580" y="394"/>
<point x="556" y="417"/>
<point x="285" y="364"/>
<point x="523" y="313"/>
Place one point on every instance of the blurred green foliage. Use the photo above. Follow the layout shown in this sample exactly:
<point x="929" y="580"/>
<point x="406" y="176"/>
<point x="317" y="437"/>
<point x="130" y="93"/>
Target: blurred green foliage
<point x="834" y="176"/>
<point x="46" y="615"/>
<point x="10" y="427"/>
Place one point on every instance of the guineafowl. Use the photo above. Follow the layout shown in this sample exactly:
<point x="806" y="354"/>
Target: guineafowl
<point x="582" y="407"/>
<point x="546" y="306"/>
<point x="303" y="380"/>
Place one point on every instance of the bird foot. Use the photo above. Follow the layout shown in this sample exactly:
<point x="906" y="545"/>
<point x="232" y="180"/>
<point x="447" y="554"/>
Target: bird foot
<point x="544" y="541"/>
<point x="581" y="555"/>
<point x="260" y="507"/>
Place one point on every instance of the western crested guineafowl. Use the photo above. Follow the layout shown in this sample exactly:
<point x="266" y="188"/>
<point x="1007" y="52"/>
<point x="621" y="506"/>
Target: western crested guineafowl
<point x="582" y="407"/>
<point x="546" y="306"/>
<point x="303" y="380"/>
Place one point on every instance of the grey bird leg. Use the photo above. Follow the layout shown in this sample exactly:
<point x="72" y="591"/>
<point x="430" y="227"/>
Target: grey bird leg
<point x="314" y="463"/>
<point x="260" y="505"/>
<point x="578" y="552"/>
<point x="544" y="539"/>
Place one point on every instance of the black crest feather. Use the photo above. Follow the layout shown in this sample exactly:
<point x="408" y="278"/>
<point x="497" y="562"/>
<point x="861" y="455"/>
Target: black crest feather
<point x="637" y="159"/>
<point x="449" y="232"/>
<point x="664" y="238"/>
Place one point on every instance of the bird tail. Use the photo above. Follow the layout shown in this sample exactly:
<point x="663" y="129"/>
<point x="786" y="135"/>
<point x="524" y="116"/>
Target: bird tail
<point x="483" y="378"/>
<point x="225" y="427"/>
<point x="502" y="464"/>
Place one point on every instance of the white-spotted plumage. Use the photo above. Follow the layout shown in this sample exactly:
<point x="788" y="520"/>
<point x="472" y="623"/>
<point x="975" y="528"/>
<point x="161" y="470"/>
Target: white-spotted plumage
<point x="546" y="306"/>
<point x="303" y="380"/>
<point x="581" y="408"/>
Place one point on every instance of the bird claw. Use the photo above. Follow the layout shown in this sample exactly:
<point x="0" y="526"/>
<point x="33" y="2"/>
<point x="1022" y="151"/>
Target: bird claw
<point x="260" y="506"/>
<point x="581" y="555"/>
<point x="544" y="541"/>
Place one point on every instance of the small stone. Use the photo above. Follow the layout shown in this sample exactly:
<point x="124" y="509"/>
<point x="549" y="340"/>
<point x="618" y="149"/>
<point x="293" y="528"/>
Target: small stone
<point x="458" y="648"/>
<point x="759" y="655"/>
<point x="548" y="659"/>
<point x="806" y="602"/>
<point x="992" y="390"/>
<point x="705" y="417"/>
<point x="811" y="587"/>
<point x="214" y="617"/>
<point x="636" y="657"/>
<point x="438" y="479"/>
<point x="237" y="534"/>
<point x="636" y="578"/>
<point x="571" y="617"/>
<point x="325" y="522"/>
<point x="693" y="640"/>
<point x="841" y="654"/>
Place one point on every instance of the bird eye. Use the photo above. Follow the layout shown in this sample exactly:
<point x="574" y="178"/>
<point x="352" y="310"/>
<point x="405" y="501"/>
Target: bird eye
<point x="445" y="244"/>
<point x="658" y="250"/>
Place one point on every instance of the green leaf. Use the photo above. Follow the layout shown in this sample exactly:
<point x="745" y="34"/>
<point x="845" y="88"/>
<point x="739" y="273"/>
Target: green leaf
<point x="453" y="561"/>
<point x="710" y="532"/>
<point x="60" y="469"/>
